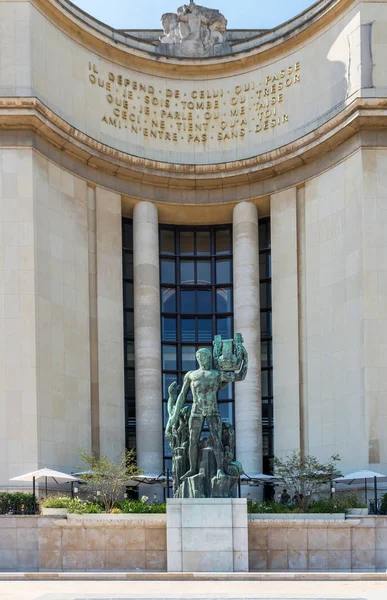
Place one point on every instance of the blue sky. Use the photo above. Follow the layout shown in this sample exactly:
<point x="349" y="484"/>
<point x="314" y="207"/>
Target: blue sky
<point x="241" y="14"/>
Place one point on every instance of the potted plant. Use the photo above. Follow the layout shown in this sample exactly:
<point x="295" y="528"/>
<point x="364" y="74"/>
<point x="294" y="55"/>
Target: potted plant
<point x="56" y="505"/>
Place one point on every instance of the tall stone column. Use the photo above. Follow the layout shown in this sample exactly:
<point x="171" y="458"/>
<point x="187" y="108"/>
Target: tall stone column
<point x="147" y="338"/>
<point x="248" y="408"/>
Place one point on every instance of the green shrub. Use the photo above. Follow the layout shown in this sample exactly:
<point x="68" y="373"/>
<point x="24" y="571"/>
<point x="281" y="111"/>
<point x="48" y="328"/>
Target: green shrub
<point x="270" y="507"/>
<point x="57" y="502"/>
<point x="84" y="507"/>
<point x="338" y="504"/>
<point x="383" y="506"/>
<point x="73" y="505"/>
<point x="137" y="506"/>
<point x="17" y="503"/>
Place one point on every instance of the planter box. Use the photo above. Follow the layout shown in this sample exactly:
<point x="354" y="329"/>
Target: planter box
<point x="108" y="518"/>
<point x="52" y="512"/>
<point x="363" y="512"/>
<point x="297" y="517"/>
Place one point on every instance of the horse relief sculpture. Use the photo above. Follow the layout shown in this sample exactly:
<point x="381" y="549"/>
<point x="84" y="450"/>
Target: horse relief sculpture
<point x="193" y="31"/>
<point x="205" y="467"/>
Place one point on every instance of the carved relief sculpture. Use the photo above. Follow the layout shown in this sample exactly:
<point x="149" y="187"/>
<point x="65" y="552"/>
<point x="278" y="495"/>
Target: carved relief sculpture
<point x="205" y="467"/>
<point x="194" y="30"/>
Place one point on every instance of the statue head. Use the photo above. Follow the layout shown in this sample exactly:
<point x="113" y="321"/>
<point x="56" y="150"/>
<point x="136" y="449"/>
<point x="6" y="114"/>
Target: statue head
<point x="169" y="22"/>
<point x="204" y="358"/>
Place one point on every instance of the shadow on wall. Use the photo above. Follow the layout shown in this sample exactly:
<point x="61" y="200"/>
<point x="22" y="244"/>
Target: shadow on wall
<point x="350" y="70"/>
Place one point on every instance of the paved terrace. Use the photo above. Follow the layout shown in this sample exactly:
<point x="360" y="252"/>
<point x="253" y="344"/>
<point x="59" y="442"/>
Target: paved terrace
<point x="195" y="590"/>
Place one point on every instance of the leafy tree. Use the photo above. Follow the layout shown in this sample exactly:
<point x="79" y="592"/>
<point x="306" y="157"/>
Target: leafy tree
<point x="383" y="506"/>
<point x="304" y="476"/>
<point x="106" y="479"/>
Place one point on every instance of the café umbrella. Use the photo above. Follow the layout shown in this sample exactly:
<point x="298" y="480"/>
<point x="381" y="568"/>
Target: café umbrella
<point x="365" y="476"/>
<point x="254" y="480"/>
<point x="45" y="474"/>
<point x="257" y="478"/>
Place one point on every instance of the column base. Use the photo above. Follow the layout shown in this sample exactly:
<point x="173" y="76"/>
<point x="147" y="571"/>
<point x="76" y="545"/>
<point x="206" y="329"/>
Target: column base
<point x="207" y="535"/>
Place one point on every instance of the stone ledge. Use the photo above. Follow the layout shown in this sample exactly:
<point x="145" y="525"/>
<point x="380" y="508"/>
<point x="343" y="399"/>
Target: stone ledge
<point x="297" y="518"/>
<point x="157" y="576"/>
<point x="120" y="520"/>
<point x="31" y="113"/>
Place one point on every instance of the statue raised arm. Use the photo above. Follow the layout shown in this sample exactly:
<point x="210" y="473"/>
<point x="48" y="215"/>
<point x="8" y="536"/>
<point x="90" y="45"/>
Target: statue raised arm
<point x="176" y="403"/>
<point x="219" y="477"/>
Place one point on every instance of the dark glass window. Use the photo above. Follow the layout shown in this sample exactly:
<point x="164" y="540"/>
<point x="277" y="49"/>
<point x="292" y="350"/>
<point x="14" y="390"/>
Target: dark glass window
<point x="223" y="241"/>
<point x="224" y="300"/>
<point x="187" y="242"/>
<point x="196" y="306"/>
<point x="204" y="302"/>
<point x="167" y="242"/>
<point x="224" y="327"/>
<point x="188" y="302"/>
<point x="168" y="326"/>
<point x="130" y="403"/>
<point x="203" y="272"/>
<point x="205" y="330"/>
<point x="266" y="343"/>
<point x="188" y="330"/>
<point x="168" y="300"/>
<point x="168" y="274"/>
<point x="223" y="271"/>
<point x="169" y="358"/>
<point x="187" y="272"/>
<point x="203" y="243"/>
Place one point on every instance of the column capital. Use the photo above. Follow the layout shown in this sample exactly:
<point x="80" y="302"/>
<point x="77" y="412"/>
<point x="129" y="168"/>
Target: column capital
<point x="146" y="212"/>
<point x="245" y="211"/>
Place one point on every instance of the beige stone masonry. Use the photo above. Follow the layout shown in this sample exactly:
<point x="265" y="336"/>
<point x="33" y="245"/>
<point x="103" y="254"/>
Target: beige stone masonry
<point x="110" y="323"/>
<point x="49" y="544"/>
<point x="286" y="382"/>
<point x="351" y="545"/>
<point x="140" y="542"/>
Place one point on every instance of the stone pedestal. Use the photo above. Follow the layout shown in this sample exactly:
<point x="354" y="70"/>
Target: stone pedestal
<point x="207" y="535"/>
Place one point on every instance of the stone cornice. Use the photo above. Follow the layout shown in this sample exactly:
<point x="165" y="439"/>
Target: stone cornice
<point x="124" y="49"/>
<point x="30" y="113"/>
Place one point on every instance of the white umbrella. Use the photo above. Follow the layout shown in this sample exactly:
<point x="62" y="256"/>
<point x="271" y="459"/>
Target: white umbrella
<point x="34" y="476"/>
<point x="364" y="476"/>
<point x="162" y="480"/>
<point x="85" y="474"/>
<point x="153" y="479"/>
<point x="258" y="477"/>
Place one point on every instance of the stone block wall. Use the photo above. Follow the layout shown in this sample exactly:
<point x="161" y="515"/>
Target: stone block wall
<point x="140" y="543"/>
<point x="351" y="545"/>
<point x="47" y="544"/>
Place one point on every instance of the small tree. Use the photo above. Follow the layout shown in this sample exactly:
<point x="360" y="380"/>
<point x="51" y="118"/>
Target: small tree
<point x="305" y="476"/>
<point x="107" y="479"/>
<point x="383" y="506"/>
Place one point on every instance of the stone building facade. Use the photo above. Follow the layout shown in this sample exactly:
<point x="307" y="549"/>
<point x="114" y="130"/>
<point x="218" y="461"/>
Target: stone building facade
<point x="150" y="200"/>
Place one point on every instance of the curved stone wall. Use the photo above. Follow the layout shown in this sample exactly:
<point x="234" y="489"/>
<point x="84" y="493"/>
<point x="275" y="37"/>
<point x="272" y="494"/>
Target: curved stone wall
<point x="93" y="122"/>
<point x="168" y="115"/>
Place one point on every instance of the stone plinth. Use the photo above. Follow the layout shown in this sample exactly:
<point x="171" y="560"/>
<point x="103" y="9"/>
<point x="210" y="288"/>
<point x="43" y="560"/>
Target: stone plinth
<point x="207" y="535"/>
